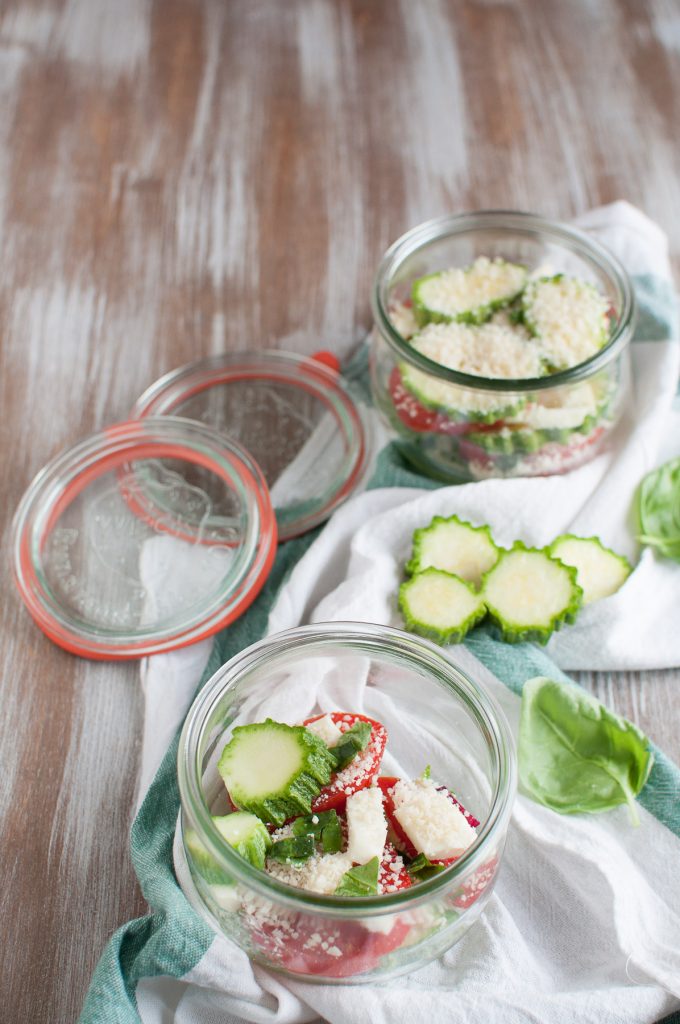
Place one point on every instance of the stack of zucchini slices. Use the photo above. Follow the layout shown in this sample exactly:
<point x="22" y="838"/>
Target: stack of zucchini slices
<point x="493" y="319"/>
<point x="458" y="576"/>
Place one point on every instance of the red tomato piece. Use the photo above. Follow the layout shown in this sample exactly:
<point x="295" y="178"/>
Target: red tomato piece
<point x="324" y="948"/>
<point x="386" y="784"/>
<point x="393" y="875"/>
<point x="476" y="885"/>
<point x="360" y="772"/>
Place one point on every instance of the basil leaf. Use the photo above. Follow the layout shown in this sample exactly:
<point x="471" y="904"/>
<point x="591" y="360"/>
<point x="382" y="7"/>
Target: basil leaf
<point x="574" y="755"/>
<point x="360" y="881"/>
<point x="421" y="868"/>
<point x="354" y="740"/>
<point x="658" y="510"/>
<point x="294" y="850"/>
<point x="325" y="829"/>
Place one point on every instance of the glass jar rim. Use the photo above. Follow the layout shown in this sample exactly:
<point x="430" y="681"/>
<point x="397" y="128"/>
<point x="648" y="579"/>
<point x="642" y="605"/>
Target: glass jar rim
<point x="304" y="373"/>
<point x="373" y="638"/>
<point x="72" y="471"/>
<point x="511" y="220"/>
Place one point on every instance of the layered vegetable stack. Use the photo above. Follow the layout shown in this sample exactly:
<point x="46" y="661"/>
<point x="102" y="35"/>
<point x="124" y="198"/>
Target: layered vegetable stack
<point x="494" y="320"/>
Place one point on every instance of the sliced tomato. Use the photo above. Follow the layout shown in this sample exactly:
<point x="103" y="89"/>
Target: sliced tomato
<point x="360" y="772"/>
<point x="324" y="948"/>
<point x="387" y="784"/>
<point x="393" y="875"/>
<point x="476" y="885"/>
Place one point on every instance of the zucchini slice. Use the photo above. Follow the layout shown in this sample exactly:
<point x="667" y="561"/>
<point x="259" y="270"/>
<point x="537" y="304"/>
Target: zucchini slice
<point x="509" y="441"/>
<point x="488" y="351"/>
<point x="440" y="606"/>
<point x="568" y="317"/>
<point x="454" y="546"/>
<point x="529" y="594"/>
<point x="275" y="770"/>
<point x="566" y="408"/>
<point x="243" y="831"/>
<point x="599" y="570"/>
<point x="246" y="833"/>
<point x="468" y="295"/>
<point x="203" y="861"/>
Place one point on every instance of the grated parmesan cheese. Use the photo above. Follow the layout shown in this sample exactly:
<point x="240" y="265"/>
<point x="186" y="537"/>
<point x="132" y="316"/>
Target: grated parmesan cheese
<point x="491" y="350"/>
<point x="470" y="290"/>
<point x="403" y="319"/>
<point x="435" y="826"/>
<point x="321" y="873"/>
<point x="569" y="318"/>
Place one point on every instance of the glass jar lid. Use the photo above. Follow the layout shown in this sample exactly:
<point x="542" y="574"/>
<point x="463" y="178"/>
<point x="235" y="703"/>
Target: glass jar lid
<point x="143" y="538"/>
<point x="292" y="412"/>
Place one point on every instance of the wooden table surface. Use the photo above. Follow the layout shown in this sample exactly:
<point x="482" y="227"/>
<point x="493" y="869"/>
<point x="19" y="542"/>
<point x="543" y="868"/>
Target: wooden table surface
<point x="180" y="177"/>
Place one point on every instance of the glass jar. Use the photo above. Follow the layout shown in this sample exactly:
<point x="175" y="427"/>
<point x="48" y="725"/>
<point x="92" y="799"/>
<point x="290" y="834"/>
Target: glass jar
<point x="434" y="714"/>
<point x="480" y="427"/>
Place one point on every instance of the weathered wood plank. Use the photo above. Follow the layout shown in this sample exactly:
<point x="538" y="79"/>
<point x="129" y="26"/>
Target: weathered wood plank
<point x="182" y="176"/>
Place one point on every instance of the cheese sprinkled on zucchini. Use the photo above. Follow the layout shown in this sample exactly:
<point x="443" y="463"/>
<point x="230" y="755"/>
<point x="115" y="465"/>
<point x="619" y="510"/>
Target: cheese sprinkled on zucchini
<point x="568" y="317"/>
<point x="469" y="295"/>
<point x="487" y="351"/>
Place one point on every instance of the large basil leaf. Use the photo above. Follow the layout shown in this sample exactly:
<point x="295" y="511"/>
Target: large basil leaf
<point x="575" y="756"/>
<point x="658" y="510"/>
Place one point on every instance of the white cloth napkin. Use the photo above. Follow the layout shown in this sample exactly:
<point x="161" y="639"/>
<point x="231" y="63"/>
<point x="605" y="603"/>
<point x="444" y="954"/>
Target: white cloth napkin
<point x="584" y="924"/>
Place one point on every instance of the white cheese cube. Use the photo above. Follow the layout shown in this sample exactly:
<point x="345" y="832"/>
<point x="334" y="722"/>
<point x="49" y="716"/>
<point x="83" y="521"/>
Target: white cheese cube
<point x="367" y="825"/>
<point x="435" y="826"/>
<point x="326" y="729"/>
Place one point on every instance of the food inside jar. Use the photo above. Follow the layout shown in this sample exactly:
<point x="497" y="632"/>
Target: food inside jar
<point x="356" y="832"/>
<point x="496" y="321"/>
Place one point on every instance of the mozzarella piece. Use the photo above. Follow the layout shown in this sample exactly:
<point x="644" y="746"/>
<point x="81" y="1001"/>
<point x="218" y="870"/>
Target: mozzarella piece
<point x="435" y="826"/>
<point x="322" y="873"/>
<point x="326" y="729"/>
<point x="367" y="825"/>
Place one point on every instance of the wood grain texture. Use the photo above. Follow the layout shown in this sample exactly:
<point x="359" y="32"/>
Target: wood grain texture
<point x="178" y="177"/>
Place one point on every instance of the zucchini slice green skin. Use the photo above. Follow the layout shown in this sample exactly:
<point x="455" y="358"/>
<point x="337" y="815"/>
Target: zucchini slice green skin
<point x="513" y="631"/>
<point x="246" y="834"/>
<point x="310" y="767"/>
<point x="527" y="441"/>
<point x="619" y="565"/>
<point x="425" y="313"/>
<point x="422" y="558"/>
<point x="456" y="628"/>
<point x="415" y="382"/>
